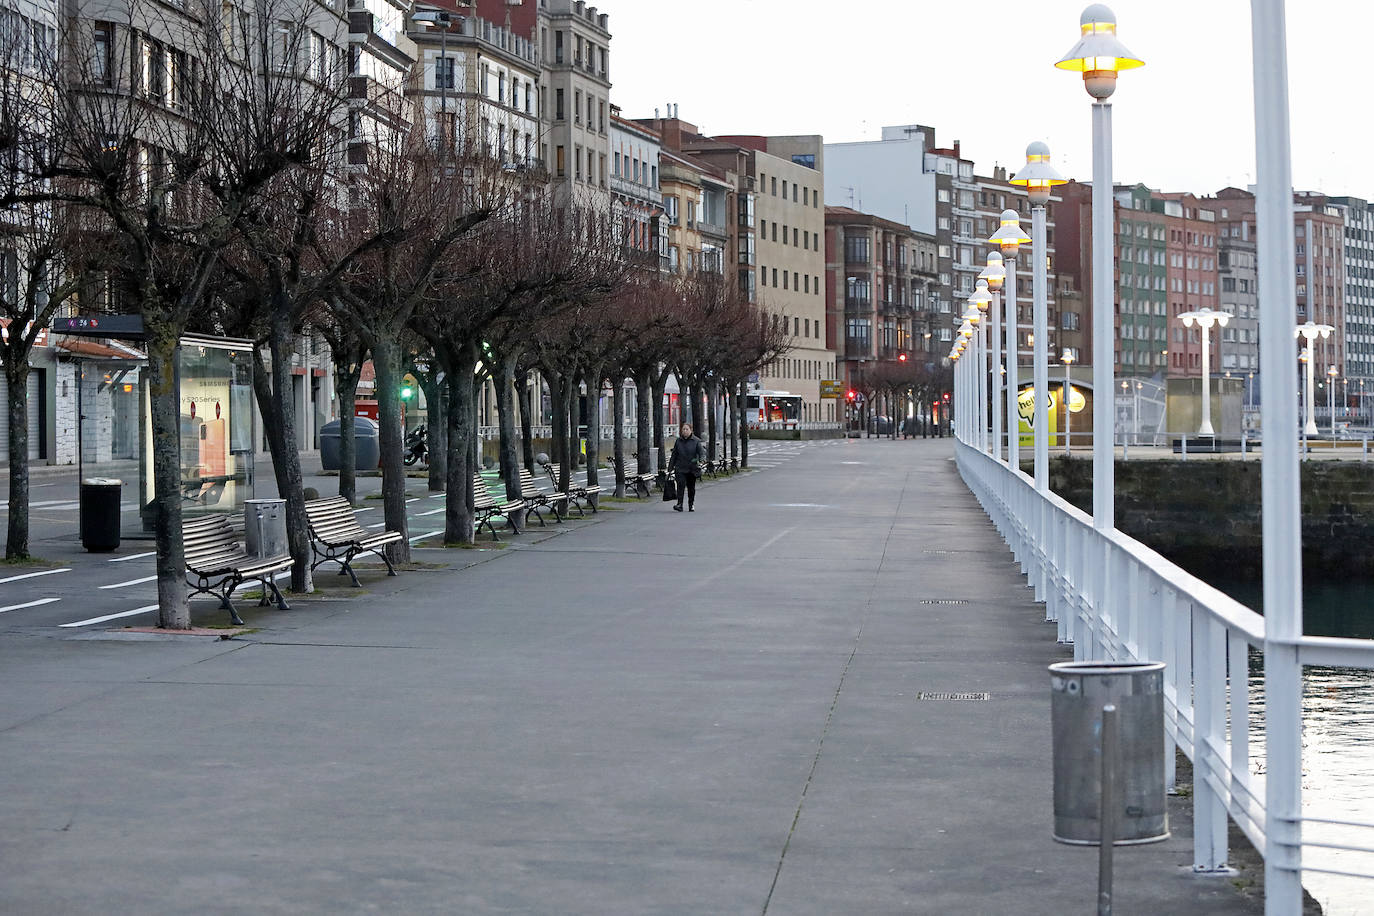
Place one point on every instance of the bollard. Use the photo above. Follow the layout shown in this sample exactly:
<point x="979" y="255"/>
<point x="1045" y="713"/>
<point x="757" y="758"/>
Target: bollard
<point x="1107" y="838"/>
<point x="1185" y="446"/>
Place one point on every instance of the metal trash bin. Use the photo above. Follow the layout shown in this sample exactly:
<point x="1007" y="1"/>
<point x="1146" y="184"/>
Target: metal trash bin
<point x="99" y="513"/>
<point x="264" y="527"/>
<point x="366" y="441"/>
<point x="1078" y="691"/>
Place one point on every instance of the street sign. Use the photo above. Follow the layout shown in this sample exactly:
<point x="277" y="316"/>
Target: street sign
<point x="122" y="327"/>
<point x="831" y="388"/>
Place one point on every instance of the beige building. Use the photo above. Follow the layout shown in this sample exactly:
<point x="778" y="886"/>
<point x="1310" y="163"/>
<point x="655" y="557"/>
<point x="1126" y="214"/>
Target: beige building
<point x="574" y="46"/>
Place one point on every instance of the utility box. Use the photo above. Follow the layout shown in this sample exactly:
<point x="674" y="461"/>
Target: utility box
<point x="264" y="528"/>
<point x="1078" y="691"/>
<point x="366" y="439"/>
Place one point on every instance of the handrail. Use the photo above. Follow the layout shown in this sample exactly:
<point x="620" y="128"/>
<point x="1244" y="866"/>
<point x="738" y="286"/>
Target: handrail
<point x="1115" y="599"/>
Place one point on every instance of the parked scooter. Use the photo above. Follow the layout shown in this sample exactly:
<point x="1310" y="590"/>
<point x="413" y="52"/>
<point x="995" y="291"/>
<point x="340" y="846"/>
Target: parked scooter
<point x="417" y="445"/>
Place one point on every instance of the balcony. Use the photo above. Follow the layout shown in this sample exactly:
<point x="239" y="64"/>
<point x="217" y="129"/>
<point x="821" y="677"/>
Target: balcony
<point x="857" y="304"/>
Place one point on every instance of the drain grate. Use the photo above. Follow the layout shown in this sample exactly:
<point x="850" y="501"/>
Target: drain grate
<point x="924" y="695"/>
<point x="944" y="601"/>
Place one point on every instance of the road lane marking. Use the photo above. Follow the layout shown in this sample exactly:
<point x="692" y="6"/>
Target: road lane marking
<point x="431" y="512"/>
<point x="378" y="525"/>
<point x="86" y="623"/>
<point x="428" y="534"/>
<point x="46" y="572"/>
<point x="366" y="509"/>
<point x="135" y="556"/>
<point x="17" y="607"/>
<point x="131" y="582"/>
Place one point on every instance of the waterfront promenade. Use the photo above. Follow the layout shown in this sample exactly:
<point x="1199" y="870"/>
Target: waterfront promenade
<point x="717" y="712"/>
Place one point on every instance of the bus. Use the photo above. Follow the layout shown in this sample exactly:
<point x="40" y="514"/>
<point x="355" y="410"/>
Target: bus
<point x="773" y="409"/>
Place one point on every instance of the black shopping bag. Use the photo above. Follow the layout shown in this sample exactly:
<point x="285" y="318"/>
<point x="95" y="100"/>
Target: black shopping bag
<point x="669" y="489"/>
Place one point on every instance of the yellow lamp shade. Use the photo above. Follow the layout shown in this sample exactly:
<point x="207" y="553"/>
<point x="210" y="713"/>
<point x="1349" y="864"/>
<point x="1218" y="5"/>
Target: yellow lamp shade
<point x="1098" y="50"/>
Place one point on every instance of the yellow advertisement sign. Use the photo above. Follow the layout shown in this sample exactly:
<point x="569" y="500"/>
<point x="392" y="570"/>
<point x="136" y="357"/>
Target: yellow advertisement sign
<point x="1025" y="411"/>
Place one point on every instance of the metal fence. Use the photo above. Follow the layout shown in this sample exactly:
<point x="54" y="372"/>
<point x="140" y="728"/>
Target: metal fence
<point x="1114" y="599"/>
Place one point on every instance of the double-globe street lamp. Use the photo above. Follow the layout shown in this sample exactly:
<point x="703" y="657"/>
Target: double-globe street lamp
<point x="1310" y="331"/>
<point x="974" y="318"/>
<point x="1099" y="56"/>
<point x="1331" y="374"/>
<point x="1039" y="179"/>
<point x="1205" y="318"/>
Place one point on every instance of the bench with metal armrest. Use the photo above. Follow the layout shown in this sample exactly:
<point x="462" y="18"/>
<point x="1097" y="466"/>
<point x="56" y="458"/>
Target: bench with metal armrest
<point x="216" y="564"/>
<point x="640" y="484"/>
<point x="336" y="536"/>
<point x="579" y="493"/>
<point x="487" y="505"/>
<point x="537" y="499"/>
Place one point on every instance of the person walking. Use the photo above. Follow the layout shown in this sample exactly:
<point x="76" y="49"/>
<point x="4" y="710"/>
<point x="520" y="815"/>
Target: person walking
<point x="685" y="466"/>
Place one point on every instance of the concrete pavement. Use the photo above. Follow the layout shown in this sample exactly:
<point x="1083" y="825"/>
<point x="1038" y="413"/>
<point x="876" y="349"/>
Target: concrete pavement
<point x="717" y="712"/>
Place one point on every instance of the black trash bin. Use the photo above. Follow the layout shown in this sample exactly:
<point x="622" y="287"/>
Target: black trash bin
<point x="100" y="513"/>
<point x="366" y="441"/>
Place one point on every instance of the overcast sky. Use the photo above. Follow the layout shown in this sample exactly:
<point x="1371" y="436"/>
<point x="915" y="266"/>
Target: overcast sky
<point x="983" y="73"/>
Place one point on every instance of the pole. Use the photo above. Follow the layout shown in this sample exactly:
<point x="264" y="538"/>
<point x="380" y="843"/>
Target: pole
<point x="1065" y="407"/>
<point x="1013" y="359"/>
<point x="1206" y="428"/>
<point x="1104" y="320"/>
<point x="1040" y="349"/>
<point x="984" y="384"/>
<point x="1282" y="519"/>
<point x="1331" y="402"/>
<point x="1309" y="399"/>
<point x="995" y="316"/>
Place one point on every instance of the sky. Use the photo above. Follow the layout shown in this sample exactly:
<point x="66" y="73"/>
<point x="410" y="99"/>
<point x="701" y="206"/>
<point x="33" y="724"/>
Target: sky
<point x="983" y="74"/>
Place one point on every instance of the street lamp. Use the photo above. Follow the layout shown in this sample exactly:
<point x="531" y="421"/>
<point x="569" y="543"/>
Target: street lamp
<point x="1331" y="373"/>
<point x="442" y="20"/>
<point x="1311" y="331"/>
<point x="996" y="276"/>
<point x="979" y="302"/>
<point x="1039" y="178"/>
<point x="1067" y="360"/>
<point x="1205" y="319"/>
<point x="1099" y="56"/>
<point x="1008" y="238"/>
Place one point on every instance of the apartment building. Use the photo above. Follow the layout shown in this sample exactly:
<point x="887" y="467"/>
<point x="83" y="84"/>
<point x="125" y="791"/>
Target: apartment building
<point x="1358" y="218"/>
<point x="381" y="60"/>
<point x="574" y="45"/>
<point x="1238" y="279"/>
<point x="881" y="278"/>
<point x="478" y="82"/>
<point x="994" y="195"/>
<point x="636" y="195"/>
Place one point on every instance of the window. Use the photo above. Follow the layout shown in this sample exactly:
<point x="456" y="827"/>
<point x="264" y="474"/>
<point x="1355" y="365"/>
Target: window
<point x="784" y="187"/>
<point x="558" y="114"/>
<point x="443" y="76"/>
<point x="577" y="163"/>
<point x="796" y="327"/>
<point x="775" y="187"/>
<point x="857" y="249"/>
<point x="577" y="106"/>
<point x="102" y="54"/>
<point x="558" y="47"/>
<point x="561" y="166"/>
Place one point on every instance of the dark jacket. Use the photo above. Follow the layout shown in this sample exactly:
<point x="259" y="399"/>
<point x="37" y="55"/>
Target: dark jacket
<point x="686" y="454"/>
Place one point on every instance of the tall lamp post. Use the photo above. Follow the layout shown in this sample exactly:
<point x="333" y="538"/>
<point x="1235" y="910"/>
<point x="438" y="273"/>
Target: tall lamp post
<point x="1310" y="331"/>
<point x="1039" y="178"/>
<point x="1099" y="56"/>
<point x="1065" y="402"/>
<point x="974" y="318"/>
<point x="442" y="20"/>
<point x="1009" y="238"/>
<point x="996" y="276"/>
<point x="1205" y="319"/>
<point x="1331" y="374"/>
<point x="979" y="302"/>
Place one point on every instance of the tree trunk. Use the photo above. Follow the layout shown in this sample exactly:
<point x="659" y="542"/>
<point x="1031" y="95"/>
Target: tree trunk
<point x="618" y="430"/>
<point x="287" y="461"/>
<point x="505" y="420"/>
<point x="436" y="450"/>
<point x="173" y="611"/>
<point x="567" y="404"/>
<point x="712" y="396"/>
<point x="688" y="399"/>
<point x="386" y="360"/>
<point x="458" y="520"/>
<point x="644" y="433"/>
<point x="558" y="421"/>
<point x="524" y="392"/>
<point x="594" y="378"/>
<point x="659" y="386"/>
<point x="732" y="421"/>
<point x="17" y="377"/>
<point x="743" y="399"/>
<point x="346" y="387"/>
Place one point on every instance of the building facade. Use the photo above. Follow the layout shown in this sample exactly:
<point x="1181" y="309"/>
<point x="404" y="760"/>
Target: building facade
<point x="574" y="44"/>
<point x="636" y="195"/>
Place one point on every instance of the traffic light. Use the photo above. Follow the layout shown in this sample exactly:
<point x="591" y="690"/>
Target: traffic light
<point x="407" y="392"/>
<point x="946" y="397"/>
<point x="851" y="395"/>
<point x="901" y="358"/>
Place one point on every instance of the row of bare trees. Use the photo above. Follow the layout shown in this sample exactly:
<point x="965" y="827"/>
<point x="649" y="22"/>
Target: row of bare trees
<point x="224" y="188"/>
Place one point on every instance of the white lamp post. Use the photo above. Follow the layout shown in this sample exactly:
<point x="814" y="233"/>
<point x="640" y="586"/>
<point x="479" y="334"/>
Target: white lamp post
<point x="1310" y="331"/>
<point x="1009" y="237"/>
<point x="1065" y="402"/>
<point x="996" y="276"/>
<point x="979" y="302"/>
<point x="1099" y="56"/>
<point x="1205" y="319"/>
<point x="1039" y="179"/>
<point x="1331" y="374"/>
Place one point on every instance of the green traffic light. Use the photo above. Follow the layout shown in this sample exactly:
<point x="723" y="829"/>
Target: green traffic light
<point x="407" y="393"/>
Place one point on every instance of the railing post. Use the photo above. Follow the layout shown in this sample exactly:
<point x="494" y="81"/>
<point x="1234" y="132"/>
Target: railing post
<point x="1209" y="733"/>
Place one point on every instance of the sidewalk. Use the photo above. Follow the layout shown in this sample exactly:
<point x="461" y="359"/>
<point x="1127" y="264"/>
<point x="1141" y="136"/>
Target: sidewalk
<point x="714" y="712"/>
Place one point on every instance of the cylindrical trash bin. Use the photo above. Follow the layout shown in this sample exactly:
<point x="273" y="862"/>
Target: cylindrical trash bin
<point x="366" y="442"/>
<point x="1078" y="691"/>
<point x="99" y="513"/>
<point x="264" y="527"/>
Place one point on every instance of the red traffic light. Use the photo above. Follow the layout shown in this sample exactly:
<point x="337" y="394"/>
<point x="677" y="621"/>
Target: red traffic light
<point x="852" y="394"/>
<point x="901" y="358"/>
<point x="946" y="397"/>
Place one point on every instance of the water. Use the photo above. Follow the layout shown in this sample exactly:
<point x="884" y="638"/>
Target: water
<point x="1337" y="743"/>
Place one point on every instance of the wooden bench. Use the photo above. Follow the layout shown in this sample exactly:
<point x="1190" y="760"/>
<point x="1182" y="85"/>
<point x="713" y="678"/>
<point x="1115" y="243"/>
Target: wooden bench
<point x="640" y="484"/>
<point x="487" y="505"/>
<point x="217" y="565"/>
<point x="578" y="493"/>
<point x="336" y="536"/>
<point x="537" y="499"/>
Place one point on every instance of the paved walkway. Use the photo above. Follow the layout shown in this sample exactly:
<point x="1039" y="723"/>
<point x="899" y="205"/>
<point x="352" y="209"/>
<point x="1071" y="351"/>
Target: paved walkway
<point x="717" y="712"/>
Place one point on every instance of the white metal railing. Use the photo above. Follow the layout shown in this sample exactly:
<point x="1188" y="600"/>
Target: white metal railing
<point x="1115" y="599"/>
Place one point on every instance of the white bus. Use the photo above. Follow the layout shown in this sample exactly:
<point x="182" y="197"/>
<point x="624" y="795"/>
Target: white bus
<point x="773" y="409"/>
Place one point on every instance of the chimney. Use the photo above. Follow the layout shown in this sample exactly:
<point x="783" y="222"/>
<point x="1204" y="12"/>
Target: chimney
<point x="956" y="150"/>
<point x="999" y="173"/>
